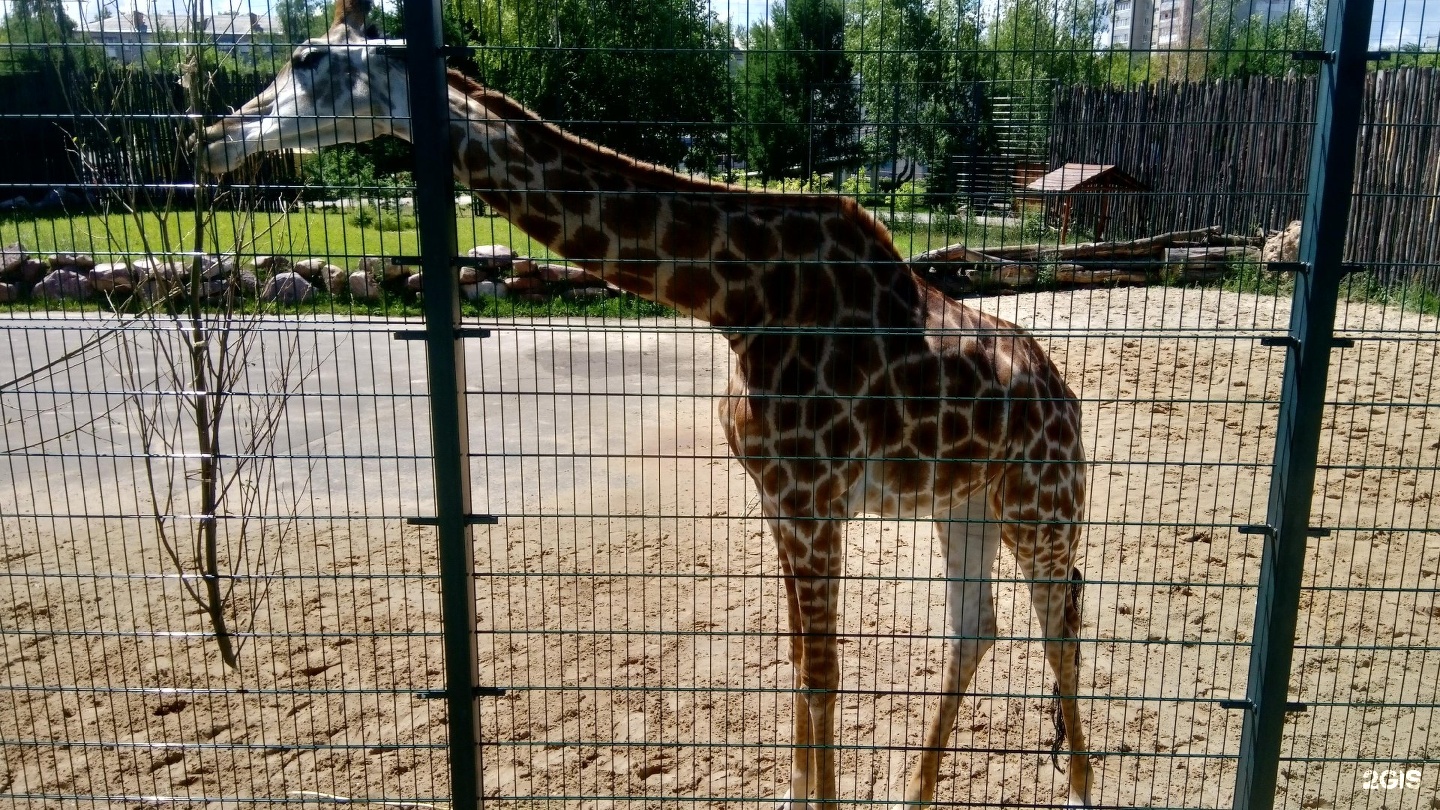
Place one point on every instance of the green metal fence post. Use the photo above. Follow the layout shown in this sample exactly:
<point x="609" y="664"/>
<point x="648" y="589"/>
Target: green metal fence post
<point x="1297" y="442"/>
<point x="435" y="216"/>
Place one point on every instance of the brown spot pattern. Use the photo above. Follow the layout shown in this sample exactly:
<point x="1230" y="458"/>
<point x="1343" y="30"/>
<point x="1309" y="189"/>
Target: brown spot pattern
<point x="691" y="230"/>
<point x="631" y="216"/>
<point x="692" y="286"/>
<point x="585" y="243"/>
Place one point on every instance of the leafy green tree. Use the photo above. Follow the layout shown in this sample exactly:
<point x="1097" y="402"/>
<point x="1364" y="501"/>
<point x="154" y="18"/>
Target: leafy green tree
<point x="1044" y="41"/>
<point x="922" y="88"/>
<point x="1255" y="46"/>
<point x="38" y="21"/>
<point x="301" y="19"/>
<point x="649" y="78"/>
<point x="1036" y="45"/>
<point x="1411" y="54"/>
<point x="798" y="95"/>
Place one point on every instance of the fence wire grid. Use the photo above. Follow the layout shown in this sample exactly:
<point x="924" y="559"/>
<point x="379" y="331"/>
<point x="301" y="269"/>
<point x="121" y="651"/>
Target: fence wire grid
<point x="308" y="502"/>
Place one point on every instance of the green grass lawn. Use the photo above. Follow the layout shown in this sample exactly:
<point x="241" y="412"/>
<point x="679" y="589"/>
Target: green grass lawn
<point x="322" y="234"/>
<point x="342" y="237"/>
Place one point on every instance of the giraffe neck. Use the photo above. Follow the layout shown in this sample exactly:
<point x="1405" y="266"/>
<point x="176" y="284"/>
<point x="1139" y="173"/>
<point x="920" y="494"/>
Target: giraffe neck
<point x="704" y="248"/>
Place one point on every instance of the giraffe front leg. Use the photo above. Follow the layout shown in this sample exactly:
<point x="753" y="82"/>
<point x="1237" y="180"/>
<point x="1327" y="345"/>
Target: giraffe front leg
<point x="818" y="680"/>
<point x="801" y="762"/>
<point x="811" y="557"/>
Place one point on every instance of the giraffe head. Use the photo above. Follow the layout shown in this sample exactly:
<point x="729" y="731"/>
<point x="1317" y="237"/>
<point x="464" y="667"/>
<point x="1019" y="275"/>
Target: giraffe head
<point x="339" y="88"/>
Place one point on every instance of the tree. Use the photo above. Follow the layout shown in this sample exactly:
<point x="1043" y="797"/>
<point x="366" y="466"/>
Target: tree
<point x="649" y="78"/>
<point x="301" y="19"/>
<point x="798" y="93"/>
<point x="38" y="21"/>
<point x="922" y="88"/>
<point x="1256" y="46"/>
<point x="1036" y="45"/>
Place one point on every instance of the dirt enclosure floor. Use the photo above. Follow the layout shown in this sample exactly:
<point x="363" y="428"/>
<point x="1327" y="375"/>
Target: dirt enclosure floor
<point x="628" y="597"/>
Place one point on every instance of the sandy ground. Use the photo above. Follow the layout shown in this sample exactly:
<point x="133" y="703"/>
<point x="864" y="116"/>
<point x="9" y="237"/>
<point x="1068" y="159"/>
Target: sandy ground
<point x="627" y="599"/>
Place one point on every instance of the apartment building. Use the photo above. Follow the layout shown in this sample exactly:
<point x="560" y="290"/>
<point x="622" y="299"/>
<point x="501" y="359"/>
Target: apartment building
<point x="1143" y="25"/>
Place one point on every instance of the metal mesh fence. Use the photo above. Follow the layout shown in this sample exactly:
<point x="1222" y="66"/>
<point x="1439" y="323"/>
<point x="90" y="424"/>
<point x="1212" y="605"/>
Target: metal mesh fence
<point x="296" y="477"/>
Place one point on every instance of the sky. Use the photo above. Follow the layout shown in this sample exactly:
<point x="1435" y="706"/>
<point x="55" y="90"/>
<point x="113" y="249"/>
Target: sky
<point x="1395" y="22"/>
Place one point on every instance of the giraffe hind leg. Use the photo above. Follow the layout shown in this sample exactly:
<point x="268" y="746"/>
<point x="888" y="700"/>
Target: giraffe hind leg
<point x="1057" y="716"/>
<point x="971" y="542"/>
<point x="1058" y="609"/>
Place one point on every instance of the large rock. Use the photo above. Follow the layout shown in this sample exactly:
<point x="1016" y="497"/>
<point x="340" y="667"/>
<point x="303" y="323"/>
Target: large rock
<point x="151" y="289"/>
<point x="310" y="268"/>
<point x="112" y="277"/>
<point x="76" y="261"/>
<point x="213" y="267"/>
<point x="8" y="293"/>
<point x="525" y="284"/>
<point x="1283" y="246"/>
<point x="377" y="268"/>
<point x="492" y="258"/>
<point x="216" y="290"/>
<point x="560" y="273"/>
<point x="415" y="283"/>
<point x="272" y="264"/>
<point x="287" y="288"/>
<point x="394" y="271"/>
<point x="159" y="269"/>
<point x="11" y="257"/>
<point x="334" y="278"/>
<point x="31" y="271"/>
<point x="246" y="282"/>
<point x="483" y="289"/>
<point x="363" y="287"/>
<point x="61" y="285"/>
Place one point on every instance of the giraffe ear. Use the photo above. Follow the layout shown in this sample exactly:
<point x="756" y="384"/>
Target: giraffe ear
<point x="352" y="13"/>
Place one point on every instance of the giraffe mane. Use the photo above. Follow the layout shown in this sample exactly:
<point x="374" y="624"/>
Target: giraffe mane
<point x="512" y="111"/>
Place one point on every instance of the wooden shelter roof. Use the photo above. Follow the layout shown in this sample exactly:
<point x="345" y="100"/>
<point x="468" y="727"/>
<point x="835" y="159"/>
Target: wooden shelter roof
<point x="1084" y="177"/>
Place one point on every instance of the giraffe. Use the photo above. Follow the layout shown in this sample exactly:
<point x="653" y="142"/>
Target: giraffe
<point x="856" y="386"/>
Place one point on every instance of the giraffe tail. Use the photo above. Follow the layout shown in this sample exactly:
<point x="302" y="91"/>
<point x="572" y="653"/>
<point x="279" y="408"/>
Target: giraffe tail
<point x="1072" y="624"/>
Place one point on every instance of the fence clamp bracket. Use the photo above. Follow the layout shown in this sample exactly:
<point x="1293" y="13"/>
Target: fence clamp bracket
<point x="1287" y="341"/>
<point x="419" y="334"/>
<point x="440" y="694"/>
<point x="1305" y="267"/>
<point x="1247" y="704"/>
<point x="470" y="520"/>
<point x="1257" y="528"/>
<point x="1313" y="56"/>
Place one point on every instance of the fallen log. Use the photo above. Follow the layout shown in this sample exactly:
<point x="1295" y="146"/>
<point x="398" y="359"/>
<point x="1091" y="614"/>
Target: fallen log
<point x="1005" y="274"/>
<point x="988" y="271"/>
<point x="1086" y="250"/>
<point x="1219" y="254"/>
<point x="953" y="253"/>
<point x="1089" y="276"/>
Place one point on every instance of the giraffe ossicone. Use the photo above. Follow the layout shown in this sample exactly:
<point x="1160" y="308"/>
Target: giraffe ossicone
<point x="856" y="387"/>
